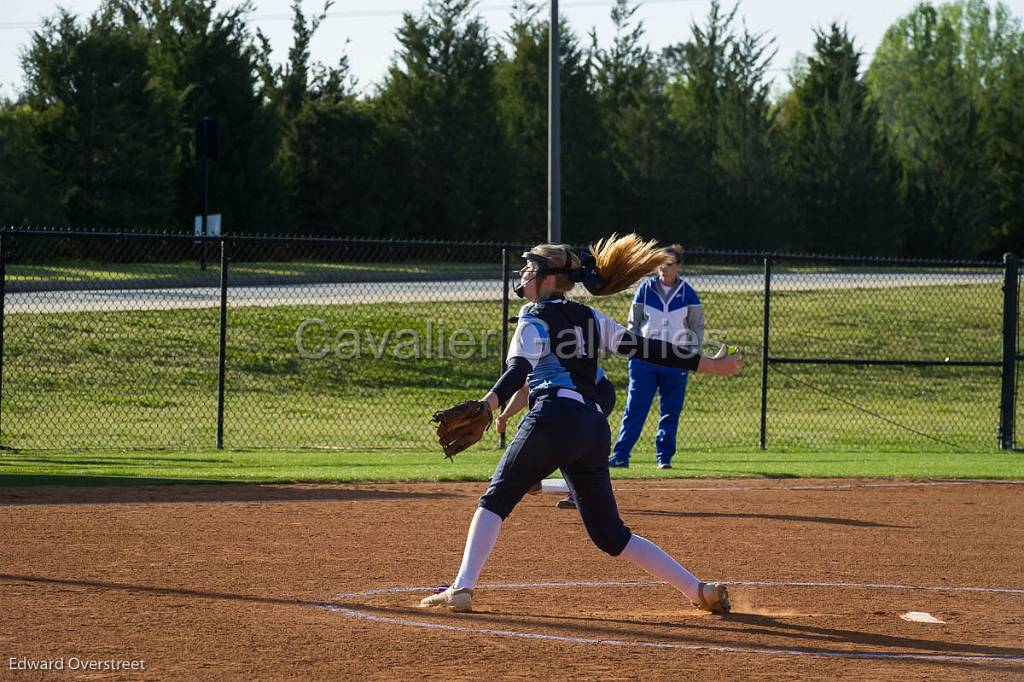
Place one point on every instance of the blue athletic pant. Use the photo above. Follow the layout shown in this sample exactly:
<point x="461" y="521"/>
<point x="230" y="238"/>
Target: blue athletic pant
<point x="561" y="433"/>
<point x="644" y="379"/>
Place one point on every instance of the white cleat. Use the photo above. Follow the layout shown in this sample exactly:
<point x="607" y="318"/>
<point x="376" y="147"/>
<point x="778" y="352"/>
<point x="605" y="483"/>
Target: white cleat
<point x="456" y="600"/>
<point x="714" y="598"/>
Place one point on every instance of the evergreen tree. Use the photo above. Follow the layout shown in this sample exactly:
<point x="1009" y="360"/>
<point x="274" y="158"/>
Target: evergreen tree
<point x="844" y="180"/>
<point x="332" y="157"/>
<point x="720" y="97"/>
<point x="646" y="152"/>
<point x="1003" y="118"/>
<point x="210" y="64"/>
<point x="102" y="127"/>
<point x="697" y="75"/>
<point x="344" y="170"/>
<point x="949" y="179"/>
<point x="439" y="98"/>
<point x="747" y="159"/>
<point x="522" y="89"/>
<point x="295" y="86"/>
<point x="930" y="76"/>
<point x="31" y="193"/>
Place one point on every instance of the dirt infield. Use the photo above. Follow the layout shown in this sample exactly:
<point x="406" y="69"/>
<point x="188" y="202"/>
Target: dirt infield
<point x="322" y="581"/>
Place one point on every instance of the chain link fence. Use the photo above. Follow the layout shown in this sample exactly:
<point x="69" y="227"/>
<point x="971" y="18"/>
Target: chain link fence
<point x="882" y="354"/>
<point x="125" y="341"/>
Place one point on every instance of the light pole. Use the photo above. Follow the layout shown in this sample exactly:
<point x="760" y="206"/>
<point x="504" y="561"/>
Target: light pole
<point x="554" y="131"/>
<point x="206" y="149"/>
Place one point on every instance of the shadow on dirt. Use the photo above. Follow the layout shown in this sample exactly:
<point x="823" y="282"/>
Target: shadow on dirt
<point x="16" y="489"/>
<point x="770" y="517"/>
<point x="736" y="631"/>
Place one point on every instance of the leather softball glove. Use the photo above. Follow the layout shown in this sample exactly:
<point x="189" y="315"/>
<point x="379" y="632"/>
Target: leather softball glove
<point x="461" y="426"/>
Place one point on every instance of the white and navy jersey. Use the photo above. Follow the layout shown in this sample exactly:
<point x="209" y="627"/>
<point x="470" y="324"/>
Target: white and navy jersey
<point x="676" y="315"/>
<point x="563" y="360"/>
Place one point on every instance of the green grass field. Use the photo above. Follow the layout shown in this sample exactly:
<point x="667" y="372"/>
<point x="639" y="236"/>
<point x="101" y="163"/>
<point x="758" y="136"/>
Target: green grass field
<point x="87" y="271"/>
<point x="148" y="379"/>
<point x="92" y="271"/>
<point x="96" y="271"/>
<point x="121" y="468"/>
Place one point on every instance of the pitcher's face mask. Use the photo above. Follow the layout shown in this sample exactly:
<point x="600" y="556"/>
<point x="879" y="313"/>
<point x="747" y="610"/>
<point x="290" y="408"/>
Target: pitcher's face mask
<point x="536" y="266"/>
<point x="522" y="278"/>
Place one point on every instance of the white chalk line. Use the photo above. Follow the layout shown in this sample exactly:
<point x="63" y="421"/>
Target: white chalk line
<point x="647" y="583"/>
<point x="501" y="586"/>
<point x="936" y="658"/>
<point x="880" y="586"/>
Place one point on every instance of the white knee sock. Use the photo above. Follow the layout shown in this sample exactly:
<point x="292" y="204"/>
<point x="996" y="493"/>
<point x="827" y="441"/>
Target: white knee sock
<point x="658" y="563"/>
<point x="483" y="533"/>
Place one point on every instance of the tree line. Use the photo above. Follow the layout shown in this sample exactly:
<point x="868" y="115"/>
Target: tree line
<point x="919" y="152"/>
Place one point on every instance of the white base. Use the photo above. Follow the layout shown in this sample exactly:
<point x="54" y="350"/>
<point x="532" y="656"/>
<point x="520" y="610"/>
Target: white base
<point x="554" y="485"/>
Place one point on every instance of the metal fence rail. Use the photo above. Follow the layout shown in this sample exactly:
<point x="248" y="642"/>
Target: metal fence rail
<point x="124" y="341"/>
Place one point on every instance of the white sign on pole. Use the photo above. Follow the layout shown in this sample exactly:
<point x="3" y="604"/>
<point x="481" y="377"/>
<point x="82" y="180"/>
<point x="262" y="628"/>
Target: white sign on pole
<point x="212" y="225"/>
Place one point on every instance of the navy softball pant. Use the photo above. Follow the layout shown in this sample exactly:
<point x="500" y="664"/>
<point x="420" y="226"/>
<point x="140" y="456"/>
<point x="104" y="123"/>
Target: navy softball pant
<point x="562" y="433"/>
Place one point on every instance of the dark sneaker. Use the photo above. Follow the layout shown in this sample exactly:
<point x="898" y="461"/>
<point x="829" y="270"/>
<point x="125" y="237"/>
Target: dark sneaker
<point x="568" y="503"/>
<point x="614" y="463"/>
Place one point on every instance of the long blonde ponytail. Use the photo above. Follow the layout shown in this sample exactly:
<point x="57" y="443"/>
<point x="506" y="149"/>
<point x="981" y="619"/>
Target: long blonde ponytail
<point x="621" y="261"/>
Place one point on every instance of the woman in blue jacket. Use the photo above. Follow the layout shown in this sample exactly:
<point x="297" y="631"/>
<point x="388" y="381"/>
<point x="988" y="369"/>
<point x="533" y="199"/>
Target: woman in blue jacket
<point x="667" y="308"/>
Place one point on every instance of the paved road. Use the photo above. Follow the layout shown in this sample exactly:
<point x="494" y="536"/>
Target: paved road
<point x="421" y="292"/>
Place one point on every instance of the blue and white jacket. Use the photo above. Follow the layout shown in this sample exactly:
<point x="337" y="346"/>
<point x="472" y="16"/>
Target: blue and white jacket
<point x="676" y="317"/>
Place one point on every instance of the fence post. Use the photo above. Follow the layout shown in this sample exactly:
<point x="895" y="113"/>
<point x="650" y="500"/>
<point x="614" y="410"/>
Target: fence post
<point x="504" y="325"/>
<point x="764" y="351"/>
<point x="1007" y="402"/>
<point x="223" y="340"/>
<point x="3" y="320"/>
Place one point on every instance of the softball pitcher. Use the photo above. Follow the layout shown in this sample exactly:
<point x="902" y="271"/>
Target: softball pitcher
<point x="605" y="400"/>
<point x="554" y="350"/>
